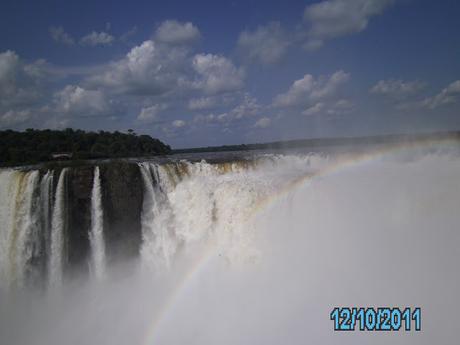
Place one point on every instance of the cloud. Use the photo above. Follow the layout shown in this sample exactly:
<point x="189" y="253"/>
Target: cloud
<point x="128" y="34"/>
<point x="161" y="73"/>
<point x="449" y="95"/>
<point x="210" y="118"/>
<point x="340" y="107"/>
<point x="216" y="74"/>
<point x="174" y="32"/>
<point x="267" y="44"/>
<point x="74" y="100"/>
<point x="246" y="108"/>
<point x="178" y="123"/>
<point x="97" y="39"/>
<point x="21" y="84"/>
<point x="15" y="117"/>
<point x="92" y="39"/>
<point x="150" y="114"/>
<point x="308" y="90"/>
<point x="315" y="109"/>
<point x="201" y="103"/>
<point x="336" y="18"/>
<point x="336" y="108"/>
<point x="263" y="122"/>
<point x="397" y="89"/>
<point x="59" y="35"/>
<point x="147" y="69"/>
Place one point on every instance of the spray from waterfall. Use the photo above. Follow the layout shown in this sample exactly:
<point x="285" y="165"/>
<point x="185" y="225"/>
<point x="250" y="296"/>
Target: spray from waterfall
<point x="96" y="235"/>
<point x="58" y="229"/>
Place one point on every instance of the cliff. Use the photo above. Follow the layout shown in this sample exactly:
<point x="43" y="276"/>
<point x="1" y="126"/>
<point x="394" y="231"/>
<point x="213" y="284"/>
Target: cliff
<point x="122" y="199"/>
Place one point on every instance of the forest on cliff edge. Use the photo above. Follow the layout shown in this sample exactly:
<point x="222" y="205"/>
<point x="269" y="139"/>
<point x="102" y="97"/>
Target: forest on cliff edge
<point x="34" y="146"/>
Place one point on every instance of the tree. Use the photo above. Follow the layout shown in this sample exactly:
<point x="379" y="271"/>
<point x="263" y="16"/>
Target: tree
<point x="33" y="146"/>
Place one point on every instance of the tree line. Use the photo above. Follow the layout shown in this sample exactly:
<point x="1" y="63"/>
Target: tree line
<point x="34" y="146"/>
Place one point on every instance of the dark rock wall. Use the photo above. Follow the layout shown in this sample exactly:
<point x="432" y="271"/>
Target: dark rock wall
<point x="79" y="184"/>
<point x="122" y="198"/>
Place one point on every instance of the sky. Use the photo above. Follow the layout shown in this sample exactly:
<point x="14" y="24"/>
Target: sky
<point x="205" y="73"/>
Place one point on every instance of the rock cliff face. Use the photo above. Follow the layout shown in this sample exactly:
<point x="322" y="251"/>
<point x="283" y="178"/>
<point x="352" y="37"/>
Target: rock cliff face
<point x="79" y="185"/>
<point x="122" y="198"/>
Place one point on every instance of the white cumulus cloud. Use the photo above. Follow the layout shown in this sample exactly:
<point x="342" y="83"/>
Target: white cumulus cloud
<point x="20" y="83"/>
<point x="150" y="114"/>
<point x="308" y="89"/>
<point x="216" y="74"/>
<point x="335" y="18"/>
<point x="147" y="69"/>
<point x="74" y="100"/>
<point x="263" y="122"/>
<point x="174" y="32"/>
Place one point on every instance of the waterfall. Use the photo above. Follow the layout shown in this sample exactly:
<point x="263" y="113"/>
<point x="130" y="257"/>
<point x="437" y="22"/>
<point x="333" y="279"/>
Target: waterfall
<point x="19" y="232"/>
<point x="58" y="228"/>
<point x="96" y="234"/>
<point x="46" y="203"/>
<point x="184" y="204"/>
<point x="195" y="203"/>
<point x="8" y="188"/>
<point x="26" y="239"/>
<point x="156" y="219"/>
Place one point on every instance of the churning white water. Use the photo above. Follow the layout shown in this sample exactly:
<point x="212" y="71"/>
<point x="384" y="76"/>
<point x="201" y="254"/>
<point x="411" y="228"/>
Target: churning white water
<point x="96" y="235"/>
<point x="261" y="253"/>
<point x="58" y="228"/>
<point x="187" y="204"/>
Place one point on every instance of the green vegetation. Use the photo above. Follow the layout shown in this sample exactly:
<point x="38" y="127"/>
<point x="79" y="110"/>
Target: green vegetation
<point x="34" y="146"/>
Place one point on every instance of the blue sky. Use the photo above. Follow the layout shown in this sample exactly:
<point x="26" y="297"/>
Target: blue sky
<point x="198" y="73"/>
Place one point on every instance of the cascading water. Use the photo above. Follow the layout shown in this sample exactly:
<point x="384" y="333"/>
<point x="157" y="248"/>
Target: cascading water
<point x="184" y="203"/>
<point x="96" y="235"/>
<point x="187" y="203"/>
<point x="46" y="199"/>
<point x="156" y="218"/>
<point x="26" y="241"/>
<point x="19" y="237"/>
<point x="243" y="252"/>
<point x="58" y="229"/>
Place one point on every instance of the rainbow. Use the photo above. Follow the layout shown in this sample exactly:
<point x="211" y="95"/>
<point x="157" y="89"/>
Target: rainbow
<point x="338" y="166"/>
